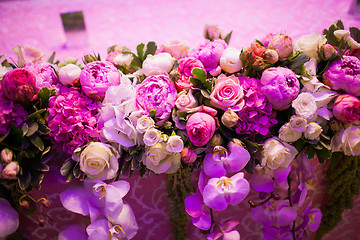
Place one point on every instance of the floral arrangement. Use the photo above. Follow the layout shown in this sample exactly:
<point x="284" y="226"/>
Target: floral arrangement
<point x="217" y="120"/>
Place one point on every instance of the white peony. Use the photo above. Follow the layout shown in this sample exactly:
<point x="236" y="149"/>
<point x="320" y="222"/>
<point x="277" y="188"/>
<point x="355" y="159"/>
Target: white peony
<point x="144" y="123"/>
<point x="159" y="160"/>
<point x="298" y="123"/>
<point x="277" y="154"/>
<point x="157" y="64"/>
<point x="9" y="219"/>
<point x="123" y="59"/>
<point x="175" y="144"/>
<point x="310" y="44"/>
<point x="313" y="131"/>
<point x="68" y="74"/>
<point x="152" y="136"/>
<point x="99" y="161"/>
<point x="287" y="134"/>
<point x="230" y="60"/>
<point x="305" y="105"/>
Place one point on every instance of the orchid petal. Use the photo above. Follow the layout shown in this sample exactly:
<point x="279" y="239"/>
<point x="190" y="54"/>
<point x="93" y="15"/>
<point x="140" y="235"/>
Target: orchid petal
<point x="286" y="215"/>
<point x="262" y="183"/>
<point x="193" y="205"/>
<point x="238" y="158"/>
<point x="127" y="221"/>
<point x="213" y="168"/>
<point x="212" y="198"/>
<point x="240" y="191"/>
<point x="75" y="200"/>
<point x="232" y="235"/>
<point x="281" y="174"/>
<point x="73" y="232"/>
<point x="203" y="222"/>
<point x="259" y="216"/>
<point x="98" y="230"/>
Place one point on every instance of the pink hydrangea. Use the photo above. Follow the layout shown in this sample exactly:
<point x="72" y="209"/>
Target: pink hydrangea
<point x="257" y="115"/>
<point x="156" y="93"/>
<point x="344" y="75"/>
<point x="44" y="74"/>
<point x="97" y="77"/>
<point x="72" y="119"/>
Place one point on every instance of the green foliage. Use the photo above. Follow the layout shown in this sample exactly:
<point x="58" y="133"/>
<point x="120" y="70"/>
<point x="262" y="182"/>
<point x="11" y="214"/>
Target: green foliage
<point x="179" y="187"/>
<point x="344" y="182"/>
<point x="355" y="34"/>
<point x="142" y="52"/>
<point x="200" y="80"/>
<point x="329" y="33"/>
<point x="227" y="38"/>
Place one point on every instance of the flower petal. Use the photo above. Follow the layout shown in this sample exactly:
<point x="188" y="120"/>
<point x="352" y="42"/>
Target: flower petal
<point x="75" y="200"/>
<point x="73" y="232"/>
<point x="213" y="168"/>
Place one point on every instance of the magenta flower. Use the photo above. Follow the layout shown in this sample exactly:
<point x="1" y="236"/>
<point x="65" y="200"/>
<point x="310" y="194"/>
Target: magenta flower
<point x="347" y="108"/>
<point x="277" y="213"/>
<point x="281" y="233"/>
<point x="264" y="179"/>
<point x="186" y="65"/>
<point x="44" y="74"/>
<point x="156" y="93"/>
<point x="344" y="75"/>
<point x="209" y="53"/>
<point x="226" y="231"/>
<point x="10" y="113"/>
<point x="72" y="120"/>
<point x="311" y="218"/>
<point x="280" y="86"/>
<point x="97" y="77"/>
<point x="219" y="162"/>
<point x="200" y="213"/>
<point x="219" y="192"/>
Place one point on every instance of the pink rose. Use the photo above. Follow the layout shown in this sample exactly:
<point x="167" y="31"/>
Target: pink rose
<point x="186" y="65"/>
<point x="176" y="48"/>
<point x="283" y="45"/>
<point x="186" y="101"/>
<point x="11" y="170"/>
<point x="156" y="93"/>
<point x="97" y="77"/>
<point x="347" y="108"/>
<point x="18" y="85"/>
<point x="200" y="127"/>
<point x="227" y="94"/>
<point x="280" y="86"/>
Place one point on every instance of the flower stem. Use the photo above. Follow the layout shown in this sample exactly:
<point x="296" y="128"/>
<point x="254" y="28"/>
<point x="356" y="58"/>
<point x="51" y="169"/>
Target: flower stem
<point x="290" y="202"/>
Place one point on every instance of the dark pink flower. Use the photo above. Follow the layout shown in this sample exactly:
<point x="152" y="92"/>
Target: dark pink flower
<point x="347" y="108"/>
<point x="186" y="65"/>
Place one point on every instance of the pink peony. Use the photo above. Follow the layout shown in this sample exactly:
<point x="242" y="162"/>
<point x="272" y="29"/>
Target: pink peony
<point x="227" y="94"/>
<point x="201" y="126"/>
<point x="347" y="108"/>
<point x="186" y="65"/>
<point x="156" y="93"/>
<point x="283" y="45"/>
<point x="18" y="85"/>
<point x="280" y="86"/>
<point x="44" y="74"/>
<point x="97" y="77"/>
<point x="345" y="75"/>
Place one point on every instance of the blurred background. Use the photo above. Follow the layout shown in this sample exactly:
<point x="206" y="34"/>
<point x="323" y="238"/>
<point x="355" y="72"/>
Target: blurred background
<point x="96" y="25"/>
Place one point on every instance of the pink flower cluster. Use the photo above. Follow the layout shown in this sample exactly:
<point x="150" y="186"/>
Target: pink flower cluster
<point x="72" y="119"/>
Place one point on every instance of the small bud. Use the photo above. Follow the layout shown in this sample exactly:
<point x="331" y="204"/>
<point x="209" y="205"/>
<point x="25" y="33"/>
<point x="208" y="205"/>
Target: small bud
<point x="46" y="203"/>
<point x="174" y="75"/>
<point x="70" y="60"/>
<point x="327" y="51"/>
<point x="41" y="222"/>
<point x="335" y="125"/>
<point x="89" y="59"/>
<point x="216" y="140"/>
<point x="11" y="170"/>
<point x="167" y="125"/>
<point x="152" y="112"/>
<point x="188" y="155"/>
<point x="6" y="155"/>
<point x="283" y="45"/>
<point x="24" y="205"/>
<point x="271" y="56"/>
<point x="229" y="118"/>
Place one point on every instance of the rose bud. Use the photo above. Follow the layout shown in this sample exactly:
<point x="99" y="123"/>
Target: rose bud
<point x="271" y="56"/>
<point x="24" y="205"/>
<point x="68" y="74"/>
<point x="327" y="51"/>
<point x="11" y="170"/>
<point x="6" y="155"/>
<point x="283" y="45"/>
<point x="216" y="140"/>
<point x="46" y="203"/>
<point x="347" y="108"/>
<point x="230" y="60"/>
<point x="188" y="155"/>
<point x="229" y="118"/>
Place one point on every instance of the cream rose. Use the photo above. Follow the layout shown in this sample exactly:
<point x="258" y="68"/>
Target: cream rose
<point x="152" y="136"/>
<point x="175" y="144"/>
<point x="313" y="131"/>
<point x="230" y="60"/>
<point x="298" y="123"/>
<point x="144" y="123"/>
<point x="159" y="160"/>
<point x="157" y="64"/>
<point x="186" y="101"/>
<point x="350" y="140"/>
<point x="345" y="34"/>
<point x="305" y="105"/>
<point x="68" y="74"/>
<point x="310" y="44"/>
<point x="99" y="161"/>
<point x="277" y="154"/>
<point x="123" y="59"/>
<point x="287" y="134"/>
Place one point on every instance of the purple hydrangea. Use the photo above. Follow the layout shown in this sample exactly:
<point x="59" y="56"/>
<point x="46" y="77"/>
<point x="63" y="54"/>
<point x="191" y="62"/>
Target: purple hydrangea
<point x="10" y="113"/>
<point x="257" y="115"/>
<point x="72" y="119"/>
<point x="44" y="73"/>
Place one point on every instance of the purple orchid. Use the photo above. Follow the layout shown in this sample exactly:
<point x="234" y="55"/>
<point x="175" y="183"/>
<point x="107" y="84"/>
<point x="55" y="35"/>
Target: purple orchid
<point x="226" y="231"/>
<point x="311" y="218"/>
<point x="200" y="213"/>
<point x="221" y="161"/>
<point x="281" y="233"/>
<point x="274" y="213"/>
<point x="219" y="192"/>
<point x="264" y="179"/>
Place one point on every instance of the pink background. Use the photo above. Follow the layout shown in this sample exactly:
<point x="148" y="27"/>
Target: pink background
<point x="37" y="23"/>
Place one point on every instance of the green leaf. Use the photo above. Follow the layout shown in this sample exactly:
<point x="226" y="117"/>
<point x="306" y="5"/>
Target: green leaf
<point x="340" y="24"/>
<point x="310" y="152"/>
<point x="355" y="34"/>
<point x="199" y="74"/>
<point x="299" y="144"/>
<point x="51" y="58"/>
<point x="323" y="155"/>
<point x="67" y="167"/>
<point x="3" y="137"/>
<point x="70" y="177"/>
<point x="44" y="94"/>
<point x="150" y="49"/>
<point x="24" y="180"/>
<point x="36" y="179"/>
<point x="43" y="129"/>
<point x="205" y="93"/>
<point x="76" y="171"/>
<point x="335" y="157"/>
<point x="227" y="38"/>
<point x="140" y="51"/>
<point x="40" y="167"/>
<point x="298" y="61"/>
<point x="15" y="137"/>
<point x="38" y="143"/>
<point x="32" y="117"/>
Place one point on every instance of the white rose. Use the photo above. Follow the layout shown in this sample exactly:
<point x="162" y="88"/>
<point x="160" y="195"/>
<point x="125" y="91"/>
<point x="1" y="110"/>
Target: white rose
<point x="9" y="219"/>
<point x="68" y="74"/>
<point x="175" y="144"/>
<point x="152" y="136"/>
<point x="157" y="64"/>
<point x="305" y="105"/>
<point x="186" y="101"/>
<point x="119" y="115"/>
<point x="287" y="134"/>
<point x="310" y="43"/>
<point x="350" y="140"/>
<point x="277" y="154"/>
<point x="298" y="123"/>
<point x="99" y="161"/>
<point x="313" y="131"/>
<point x="230" y="60"/>
<point x="159" y="160"/>
<point x="123" y="59"/>
<point x="345" y="34"/>
<point x="177" y="48"/>
<point x="144" y="123"/>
